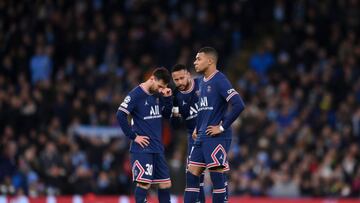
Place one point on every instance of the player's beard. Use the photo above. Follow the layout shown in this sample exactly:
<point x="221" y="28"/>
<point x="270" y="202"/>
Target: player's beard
<point x="183" y="87"/>
<point x="152" y="90"/>
<point x="187" y="86"/>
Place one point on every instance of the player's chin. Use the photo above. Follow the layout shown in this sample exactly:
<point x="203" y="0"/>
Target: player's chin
<point x="181" y="87"/>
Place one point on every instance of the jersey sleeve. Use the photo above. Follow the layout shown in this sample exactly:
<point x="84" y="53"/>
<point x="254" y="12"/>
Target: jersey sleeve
<point x="233" y="98"/>
<point x="225" y="89"/>
<point x="125" y="108"/>
<point x="128" y="104"/>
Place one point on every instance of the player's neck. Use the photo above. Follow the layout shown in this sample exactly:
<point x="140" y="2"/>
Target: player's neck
<point x="210" y="71"/>
<point x="146" y="86"/>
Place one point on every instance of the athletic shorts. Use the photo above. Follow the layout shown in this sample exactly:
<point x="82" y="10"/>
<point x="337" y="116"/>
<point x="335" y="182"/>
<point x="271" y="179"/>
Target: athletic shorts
<point x="209" y="153"/>
<point x="227" y="148"/>
<point x="149" y="168"/>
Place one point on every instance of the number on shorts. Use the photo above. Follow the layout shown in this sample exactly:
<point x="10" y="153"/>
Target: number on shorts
<point x="149" y="169"/>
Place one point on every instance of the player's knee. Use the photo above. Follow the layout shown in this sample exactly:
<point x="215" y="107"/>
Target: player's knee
<point x="195" y="170"/>
<point x="143" y="185"/>
<point x="165" y="185"/>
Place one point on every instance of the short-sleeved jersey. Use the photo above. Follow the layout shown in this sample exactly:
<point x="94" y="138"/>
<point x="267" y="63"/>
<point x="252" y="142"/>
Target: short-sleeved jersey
<point x="187" y="103"/>
<point x="214" y="94"/>
<point x="146" y="111"/>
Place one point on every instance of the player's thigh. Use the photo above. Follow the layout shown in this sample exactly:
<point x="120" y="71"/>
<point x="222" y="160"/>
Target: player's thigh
<point x="196" y="170"/>
<point x="165" y="185"/>
<point x="161" y="171"/>
<point x="143" y="185"/>
<point x="215" y="154"/>
<point x="142" y="167"/>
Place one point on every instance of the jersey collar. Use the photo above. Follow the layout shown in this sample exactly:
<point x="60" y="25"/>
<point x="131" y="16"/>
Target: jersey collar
<point x="143" y="89"/>
<point x="211" y="76"/>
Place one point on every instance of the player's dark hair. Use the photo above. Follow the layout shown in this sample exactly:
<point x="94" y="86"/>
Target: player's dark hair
<point x="162" y="74"/>
<point x="178" y="67"/>
<point x="210" y="51"/>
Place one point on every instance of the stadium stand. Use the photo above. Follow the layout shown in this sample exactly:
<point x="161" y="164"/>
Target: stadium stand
<point x="68" y="63"/>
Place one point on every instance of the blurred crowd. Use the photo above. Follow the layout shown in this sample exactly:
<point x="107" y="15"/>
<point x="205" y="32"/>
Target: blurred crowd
<point x="300" y="133"/>
<point x="296" y="64"/>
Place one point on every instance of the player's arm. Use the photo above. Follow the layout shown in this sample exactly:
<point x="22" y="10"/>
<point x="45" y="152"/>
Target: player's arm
<point x="167" y="102"/>
<point x="122" y="119"/>
<point x="237" y="106"/>
<point x="122" y="114"/>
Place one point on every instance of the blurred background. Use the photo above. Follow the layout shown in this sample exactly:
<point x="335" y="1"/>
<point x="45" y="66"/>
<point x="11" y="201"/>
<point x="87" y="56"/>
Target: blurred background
<point x="65" y="66"/>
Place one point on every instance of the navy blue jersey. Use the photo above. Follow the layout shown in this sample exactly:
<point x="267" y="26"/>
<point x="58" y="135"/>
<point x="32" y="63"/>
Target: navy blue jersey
<point x="187" y="103"/>
<point x="214" y="94"/>
<point x="147" y="111"/>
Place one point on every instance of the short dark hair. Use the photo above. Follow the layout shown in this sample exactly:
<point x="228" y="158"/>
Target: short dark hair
<point x="210" y="51"/>
<point x="162" y="74"/>
<point x="178" y="67"/>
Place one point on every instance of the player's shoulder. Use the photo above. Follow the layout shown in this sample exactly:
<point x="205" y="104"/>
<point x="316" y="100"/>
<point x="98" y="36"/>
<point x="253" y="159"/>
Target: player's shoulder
<point x="220" y="75"/>
<point x="136" y="92"/>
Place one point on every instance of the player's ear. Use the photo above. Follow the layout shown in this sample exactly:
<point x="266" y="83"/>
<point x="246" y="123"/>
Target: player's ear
<point x="207" y="58"/>
<point x="210" y="60"/>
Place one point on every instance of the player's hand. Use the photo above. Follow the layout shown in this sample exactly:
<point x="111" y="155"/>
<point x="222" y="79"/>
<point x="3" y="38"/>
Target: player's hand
<point x="194" y="134"/>
<point x="166" y="92"/>
<point x="213" y="130"/>
<point x="143" y="141"/>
